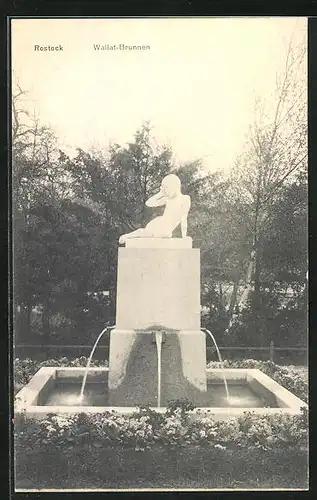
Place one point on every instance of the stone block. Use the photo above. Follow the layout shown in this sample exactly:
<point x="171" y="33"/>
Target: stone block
<point x="159" y="242"/>
<point x="158" y="286"/>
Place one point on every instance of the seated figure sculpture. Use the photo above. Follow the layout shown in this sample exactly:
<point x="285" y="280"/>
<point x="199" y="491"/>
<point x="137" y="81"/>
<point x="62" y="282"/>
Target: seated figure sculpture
<point x="177" y="206"/>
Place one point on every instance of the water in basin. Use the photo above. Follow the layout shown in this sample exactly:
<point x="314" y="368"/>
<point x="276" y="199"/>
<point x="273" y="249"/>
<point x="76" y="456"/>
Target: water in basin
<point x="66" y="393"/>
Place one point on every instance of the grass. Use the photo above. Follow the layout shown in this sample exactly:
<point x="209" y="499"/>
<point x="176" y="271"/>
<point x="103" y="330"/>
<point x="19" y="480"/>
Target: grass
<point x="161" y="468"/>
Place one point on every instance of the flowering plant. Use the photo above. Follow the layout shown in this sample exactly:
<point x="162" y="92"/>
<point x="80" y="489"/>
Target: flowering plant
<point x="147" y="429"/>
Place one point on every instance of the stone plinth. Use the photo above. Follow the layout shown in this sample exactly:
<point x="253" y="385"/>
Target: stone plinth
<point x="133" y="368"/>
<point x="158" y="288"/>
<point x="159" y="242"/>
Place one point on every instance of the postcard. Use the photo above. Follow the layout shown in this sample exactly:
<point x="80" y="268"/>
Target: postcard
<point x="160" y="276"/>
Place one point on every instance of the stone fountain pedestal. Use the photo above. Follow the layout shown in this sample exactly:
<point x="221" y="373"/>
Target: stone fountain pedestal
<point x="158" y="288"/>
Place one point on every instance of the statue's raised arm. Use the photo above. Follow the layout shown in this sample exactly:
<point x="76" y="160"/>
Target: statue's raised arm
<point x="157" y="200"/>
<point x="176" y="211"/>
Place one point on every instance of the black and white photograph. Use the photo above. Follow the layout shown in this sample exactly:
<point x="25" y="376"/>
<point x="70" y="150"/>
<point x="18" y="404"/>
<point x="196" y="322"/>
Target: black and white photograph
<point x="159" y="254"/>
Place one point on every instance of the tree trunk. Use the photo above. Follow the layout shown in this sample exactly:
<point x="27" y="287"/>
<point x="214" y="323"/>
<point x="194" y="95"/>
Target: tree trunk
<point x="257" y="296"/>
<point x="210" y="313"/>
<point x="233" y="299"/>
<point x="46" y="317"/>
<point x="29" y="319"/>
<point x="220" y="297"/>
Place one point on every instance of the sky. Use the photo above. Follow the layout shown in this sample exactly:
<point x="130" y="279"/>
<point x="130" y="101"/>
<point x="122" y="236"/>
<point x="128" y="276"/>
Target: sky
<point x="196" y="84"/>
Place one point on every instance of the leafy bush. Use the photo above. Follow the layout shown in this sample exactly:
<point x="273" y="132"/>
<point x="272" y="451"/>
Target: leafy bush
<point x="281" y="430"/>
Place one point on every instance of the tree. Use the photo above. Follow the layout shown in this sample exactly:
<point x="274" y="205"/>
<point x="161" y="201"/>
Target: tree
<point x="117" y="184"/>
<point x="276" y="149"/>
<point x="39" y="184"/>
<point x="284" y="254"/>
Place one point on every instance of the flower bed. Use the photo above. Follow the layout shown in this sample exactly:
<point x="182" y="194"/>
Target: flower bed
<point x="111" y="450"/>
<point x="146" y="428"/>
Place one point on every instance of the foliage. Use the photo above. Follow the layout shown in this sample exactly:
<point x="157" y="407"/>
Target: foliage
<point x="148" y="429"/>
<point x="271" y="317"/>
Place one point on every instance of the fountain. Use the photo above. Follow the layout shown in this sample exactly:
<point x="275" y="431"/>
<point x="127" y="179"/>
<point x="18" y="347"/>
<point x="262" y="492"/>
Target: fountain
<point x="158" y="304"/>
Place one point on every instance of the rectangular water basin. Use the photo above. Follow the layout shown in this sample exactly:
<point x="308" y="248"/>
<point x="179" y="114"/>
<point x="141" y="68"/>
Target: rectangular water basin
<point x="56" y="390"/>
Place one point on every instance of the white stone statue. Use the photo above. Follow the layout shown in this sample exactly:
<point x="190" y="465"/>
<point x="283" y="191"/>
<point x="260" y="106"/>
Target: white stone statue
<point x="177" y="206"/>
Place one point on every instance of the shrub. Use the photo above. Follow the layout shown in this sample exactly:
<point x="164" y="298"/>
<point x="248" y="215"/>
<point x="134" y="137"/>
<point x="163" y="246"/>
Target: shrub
<point x="268" y="431"/>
